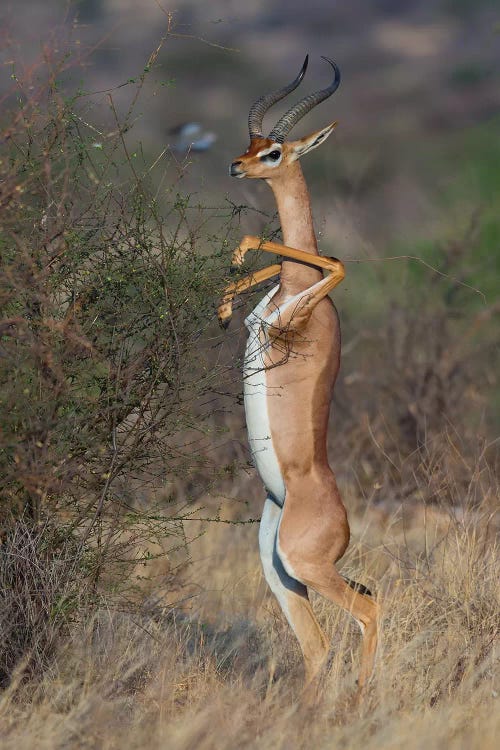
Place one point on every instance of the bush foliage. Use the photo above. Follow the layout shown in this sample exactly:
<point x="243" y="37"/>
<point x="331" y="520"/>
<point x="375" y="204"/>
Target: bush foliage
<point x="104" y="299"/>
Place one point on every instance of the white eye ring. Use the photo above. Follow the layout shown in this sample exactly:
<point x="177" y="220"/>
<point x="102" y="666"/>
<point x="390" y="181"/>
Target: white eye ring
<point x="272" y="156"/>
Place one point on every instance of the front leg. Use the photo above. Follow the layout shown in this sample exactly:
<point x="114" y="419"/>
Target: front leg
<point x="296" y="315"/>
<point x="303" y="310"/>
<point x="250" y="242"/>
<point x="225" y="309"/>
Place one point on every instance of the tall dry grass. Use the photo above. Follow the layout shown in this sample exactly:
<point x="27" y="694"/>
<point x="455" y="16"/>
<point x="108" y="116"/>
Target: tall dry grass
<point x="223" y="670"/>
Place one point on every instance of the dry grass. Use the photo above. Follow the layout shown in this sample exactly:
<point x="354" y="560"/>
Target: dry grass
<point x="224" y="671"/>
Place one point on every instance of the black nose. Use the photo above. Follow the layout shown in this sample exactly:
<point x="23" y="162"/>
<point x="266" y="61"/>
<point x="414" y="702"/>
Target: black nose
<point x="233" y="169"/>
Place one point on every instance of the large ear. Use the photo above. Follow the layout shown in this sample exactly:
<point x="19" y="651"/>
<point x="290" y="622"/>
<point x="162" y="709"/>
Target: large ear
<point x="304" y="145"/>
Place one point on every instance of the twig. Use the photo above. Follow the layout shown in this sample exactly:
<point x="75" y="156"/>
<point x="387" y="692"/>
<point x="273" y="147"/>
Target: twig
<point x="424" y="263"/>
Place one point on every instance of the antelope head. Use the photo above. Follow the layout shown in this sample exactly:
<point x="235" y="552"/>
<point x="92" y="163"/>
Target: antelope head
<point x="266" y="158"/>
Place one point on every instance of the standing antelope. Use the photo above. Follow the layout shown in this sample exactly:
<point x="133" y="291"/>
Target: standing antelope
<point x="291" y="363"/>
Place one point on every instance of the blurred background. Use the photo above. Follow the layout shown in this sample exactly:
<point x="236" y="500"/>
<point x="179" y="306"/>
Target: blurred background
<point x="121" y="417"/>
<point x="417" y="146"/>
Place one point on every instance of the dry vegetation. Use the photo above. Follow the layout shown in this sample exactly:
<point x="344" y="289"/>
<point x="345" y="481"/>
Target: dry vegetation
<point x="118" y="425"/>
<point x="225" y="671"/>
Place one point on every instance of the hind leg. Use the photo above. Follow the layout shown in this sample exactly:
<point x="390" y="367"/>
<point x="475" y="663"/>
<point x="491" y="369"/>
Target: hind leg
<point x="310" y="541"/>
<point x="362" y="607"/>
<point x="291" y="595"/>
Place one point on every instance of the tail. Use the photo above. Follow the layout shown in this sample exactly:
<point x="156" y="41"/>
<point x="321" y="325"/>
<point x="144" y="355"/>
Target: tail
<point x="357" y="586"/>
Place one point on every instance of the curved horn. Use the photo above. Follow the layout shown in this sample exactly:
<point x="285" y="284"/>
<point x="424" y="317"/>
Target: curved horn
<point x="260" y="107"/>
<point x="291" y="118"/>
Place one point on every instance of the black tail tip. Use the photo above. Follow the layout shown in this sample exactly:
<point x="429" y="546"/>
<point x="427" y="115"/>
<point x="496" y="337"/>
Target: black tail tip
<point x="358" y="587"/>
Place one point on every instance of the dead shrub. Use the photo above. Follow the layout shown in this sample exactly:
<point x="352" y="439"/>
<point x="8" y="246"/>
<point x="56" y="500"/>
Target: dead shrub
<point x="40" y="570"/>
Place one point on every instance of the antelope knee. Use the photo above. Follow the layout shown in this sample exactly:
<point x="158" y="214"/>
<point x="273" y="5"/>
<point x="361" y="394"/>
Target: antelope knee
<point x="296" y="559"/>
<point x="337" y="268"/>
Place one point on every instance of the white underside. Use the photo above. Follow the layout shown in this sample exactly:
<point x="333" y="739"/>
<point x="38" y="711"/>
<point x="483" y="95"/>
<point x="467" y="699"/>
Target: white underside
<point x="281" y="585"/>
<point x="256" y="394"/>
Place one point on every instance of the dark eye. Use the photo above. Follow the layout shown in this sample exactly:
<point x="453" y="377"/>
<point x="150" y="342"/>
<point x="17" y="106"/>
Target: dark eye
<point x="271" y="156"/>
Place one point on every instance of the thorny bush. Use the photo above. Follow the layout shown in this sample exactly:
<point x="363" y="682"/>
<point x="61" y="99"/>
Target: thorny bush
<point x="104" y="299"/>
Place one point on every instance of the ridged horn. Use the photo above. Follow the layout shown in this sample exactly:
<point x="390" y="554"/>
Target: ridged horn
<point x="291" y="118"/>
<point x="260" y="107"/>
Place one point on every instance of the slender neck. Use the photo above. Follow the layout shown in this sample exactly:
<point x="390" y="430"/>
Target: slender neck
<point x="294" y="208"/>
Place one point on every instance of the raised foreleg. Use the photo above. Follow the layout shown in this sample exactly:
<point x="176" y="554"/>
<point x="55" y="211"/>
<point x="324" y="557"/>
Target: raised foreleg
<point x="249" y="242"/>
<point x="294" y="315"/>
<point x="299" y="313"/>
<point x="225" y="309"/>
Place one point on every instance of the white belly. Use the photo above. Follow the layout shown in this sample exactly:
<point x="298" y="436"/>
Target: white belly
<point x="256" y="393"/>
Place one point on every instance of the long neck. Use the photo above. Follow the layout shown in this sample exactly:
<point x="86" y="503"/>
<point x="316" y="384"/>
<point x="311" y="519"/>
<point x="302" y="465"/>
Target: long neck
<point x="294" y="208"/>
